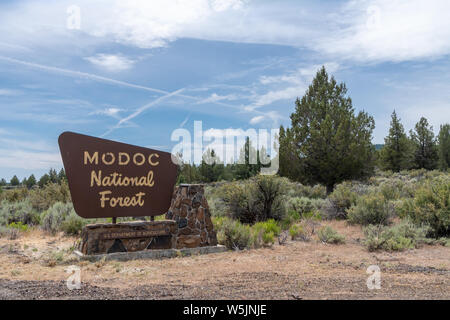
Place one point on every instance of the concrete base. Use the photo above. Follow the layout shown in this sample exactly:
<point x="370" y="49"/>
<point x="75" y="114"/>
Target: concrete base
<point x="150" y="254"/>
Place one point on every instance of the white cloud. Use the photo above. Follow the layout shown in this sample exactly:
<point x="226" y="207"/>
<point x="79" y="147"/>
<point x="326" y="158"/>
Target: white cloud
<point x="29" y="159"/>
<point x="214" y="97"/>
<point x="385" y="30"/>
<point x="111" y="112"/>
<point x="365" y="30"/>
<point x="111" y="62"/>
<point x="256" y="120"/>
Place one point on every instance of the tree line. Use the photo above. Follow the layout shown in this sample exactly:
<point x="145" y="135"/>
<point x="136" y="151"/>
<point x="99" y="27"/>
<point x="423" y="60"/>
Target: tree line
<point x="51" y="177"/>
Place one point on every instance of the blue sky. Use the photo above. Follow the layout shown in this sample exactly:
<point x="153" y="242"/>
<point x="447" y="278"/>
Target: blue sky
<point x="135" y="71"/>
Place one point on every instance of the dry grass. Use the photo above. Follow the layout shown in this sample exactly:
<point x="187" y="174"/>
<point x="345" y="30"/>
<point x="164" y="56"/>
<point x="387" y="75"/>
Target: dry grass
<point x="306" y="269"/>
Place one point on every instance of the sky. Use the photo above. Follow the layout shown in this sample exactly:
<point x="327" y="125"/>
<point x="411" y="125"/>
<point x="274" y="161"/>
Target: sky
<point x="134" y="71"/>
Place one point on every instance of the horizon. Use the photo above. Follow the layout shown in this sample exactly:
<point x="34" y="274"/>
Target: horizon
<point x="135" y="72"/>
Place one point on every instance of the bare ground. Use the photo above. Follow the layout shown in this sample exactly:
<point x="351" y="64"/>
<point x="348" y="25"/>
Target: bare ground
<point x="34" y="267"/>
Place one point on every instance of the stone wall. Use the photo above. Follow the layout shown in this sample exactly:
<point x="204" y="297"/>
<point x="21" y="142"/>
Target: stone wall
<point x="190" y="210"/>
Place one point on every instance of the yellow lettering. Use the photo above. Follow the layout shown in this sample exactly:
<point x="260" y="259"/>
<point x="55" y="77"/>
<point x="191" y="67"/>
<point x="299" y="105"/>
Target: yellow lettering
<point x="91" y="159"/>
<point x="103" y="197"/>
<point x="113" y="158"/>
<point x="121" y="162"/>
<point x="142" y="159"/>
<point x="150" y="159"/>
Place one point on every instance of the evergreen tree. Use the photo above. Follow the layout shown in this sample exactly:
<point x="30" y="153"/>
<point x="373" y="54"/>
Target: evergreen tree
<point x="211" y="169"/>
<point x="53" y="176"/>
<point x="44" y="180"/>
<point x="327" y="143"/>
<point x="3" y="182"/>
<point x="397" y="153"/>
<point x="425" y="148"/>
<point x="444" y="147"/>
<point x="248" y="164"/>
<point x="61" y="175"/>
<point x="14" y="181"/>
<point x="31" y="181"/>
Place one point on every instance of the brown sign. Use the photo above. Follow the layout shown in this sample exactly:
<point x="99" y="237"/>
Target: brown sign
<point x="113" y="179"/>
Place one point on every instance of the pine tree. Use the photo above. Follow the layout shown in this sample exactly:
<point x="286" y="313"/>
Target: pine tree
<point x="14" y="181"/>
<point x="31" y="181"/>
<point x="397" y="153"/>
<point x="3" y="182"/>
<point x="44" y="180"/>
<point x="327" y="143"/>
<point x="425" y="148"/>
<point x="61" y="175"/>
<point x="444" y="147"/>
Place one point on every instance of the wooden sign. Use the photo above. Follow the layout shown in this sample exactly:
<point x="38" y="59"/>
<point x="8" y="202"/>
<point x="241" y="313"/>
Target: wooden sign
<point x="113" y="179"/>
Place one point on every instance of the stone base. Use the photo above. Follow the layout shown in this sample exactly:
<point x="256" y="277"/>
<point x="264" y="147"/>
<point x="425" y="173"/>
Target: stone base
<point x="129" y="236"/>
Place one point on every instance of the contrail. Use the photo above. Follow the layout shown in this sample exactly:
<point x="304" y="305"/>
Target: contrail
<point x="142" y="109"/>
<point x="79" y="74"/>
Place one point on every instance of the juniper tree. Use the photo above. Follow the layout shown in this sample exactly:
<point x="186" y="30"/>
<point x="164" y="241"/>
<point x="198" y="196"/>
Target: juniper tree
<point x="424" y="143"/>
<point x="327" y="143"/>
<point x="14" y="181"/>
<point x="444" y="147"/>
<point x="396" y="155"/>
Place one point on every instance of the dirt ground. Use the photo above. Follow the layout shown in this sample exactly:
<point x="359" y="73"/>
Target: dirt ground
<point x="34" y="267"/>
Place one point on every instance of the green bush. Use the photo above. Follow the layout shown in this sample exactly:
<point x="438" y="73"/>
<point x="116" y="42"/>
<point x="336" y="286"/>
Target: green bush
<point x="329" y="235"/>
<point x="19" y="226"/>
<point x="14" y="195"/>
<point x="233" y="234"/>
<point x="289" y="219"/>
<point x="257" y="199"/>
<point x="45" y="197"/>
<point x="21" y="211"/>
<point x="370" y="209"/>
<point x="431" y="206"/>
<point x="62" y="217"/>
<point x="265" y="231"/>
<point x="339" y="201"/>
<point x="402" y="236"/>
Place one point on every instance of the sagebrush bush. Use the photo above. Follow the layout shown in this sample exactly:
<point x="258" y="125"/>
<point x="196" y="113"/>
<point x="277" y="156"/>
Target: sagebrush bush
<point x="304" y="205"/>
<point x="21" y="211"/>
<point x="62" y="217"/>
<point x="329" y="235"/>
<point x="402" y="236"/>
<point x="339" y="201"/>
<point x="234" y="235"/>
<point x="257" y="199"/>
<point x="371" y="209"/>
<point x="431" y="206"/>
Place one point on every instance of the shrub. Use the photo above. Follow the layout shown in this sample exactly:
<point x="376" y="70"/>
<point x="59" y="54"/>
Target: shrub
<point x="45" y="197"/>
<point x="339" y="201"/>
<point x="62" y="217"/>
<point x="431" y="206"/>
<point x="371" y="209"/>
<point x="304" y="205"/>
<point x="265" y="232"/>
<point x="257" y="199"/>
<point x="19" y="226"/>
<point x="329" y="235"/>
<point x="402" y="236"/>
<point x="18" y="212"/>
<point x="233" y="234"/>
<point x="73" y="224"/>
<point x="14" y="195"/>
<point x="290" y="218"/>
<point x="295" y="231"/>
